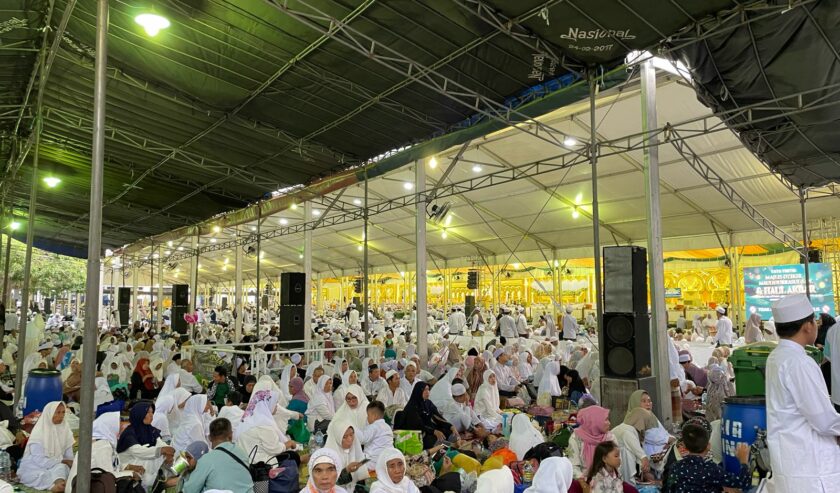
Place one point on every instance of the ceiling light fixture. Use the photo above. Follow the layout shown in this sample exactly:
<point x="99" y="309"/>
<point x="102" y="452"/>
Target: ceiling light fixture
<point x="570" y="142"/>
<point x="300" y="256"/>
<point x="253" y="228"/>
<point x="152" y="23"/>
<point x="316" y="212"/>
<point x="283" y="221"/>
<point x="443" y="234"/>
<point x="217" y="229"/>
<point x="180" y="249"/>
<point x="516" y="265"/>
<point x="52" y="181"/>
<point x="477" y="168"/>
<point x="448" y="220"/>
<point x="213" y="240"/>
<point x="14" y="225"/>
<point x="357" y="201"/>
<point x="293" y="206"/>
<point x="575" y="214"/>
<point x="433" y="162"/>
<point x="408" y="185"/>
<point x="169" y="243"/>
<point x="360" y="247"/>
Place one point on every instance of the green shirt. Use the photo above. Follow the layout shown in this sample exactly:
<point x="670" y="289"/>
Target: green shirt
<point x="216" y="470"/>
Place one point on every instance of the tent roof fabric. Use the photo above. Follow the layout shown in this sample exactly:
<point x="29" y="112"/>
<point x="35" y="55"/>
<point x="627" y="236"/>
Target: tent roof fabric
<point x="776" y="56"/>
<point x="241" y="98"/>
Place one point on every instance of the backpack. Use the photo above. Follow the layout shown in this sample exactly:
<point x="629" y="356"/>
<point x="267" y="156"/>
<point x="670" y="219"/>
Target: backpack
<point x="100" y="482"/>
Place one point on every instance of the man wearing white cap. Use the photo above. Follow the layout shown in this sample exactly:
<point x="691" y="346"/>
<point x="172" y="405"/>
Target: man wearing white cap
<point x="570" y="325"/>
<point x="802" y="426"/>
<point x="392" y="394"/>
<point x="507" y="325"/>
<point x="353" y="319"/>
<point x="724" y="328"/>
<point x="505" y="380"/>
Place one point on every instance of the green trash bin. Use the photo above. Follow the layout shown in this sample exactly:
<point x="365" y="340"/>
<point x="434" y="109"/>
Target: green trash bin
<point x="750" y="364"/>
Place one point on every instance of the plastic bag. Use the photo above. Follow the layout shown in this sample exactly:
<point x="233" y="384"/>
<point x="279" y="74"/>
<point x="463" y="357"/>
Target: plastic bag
<point x="409" y="442"/>
<point x="298" y="431"/>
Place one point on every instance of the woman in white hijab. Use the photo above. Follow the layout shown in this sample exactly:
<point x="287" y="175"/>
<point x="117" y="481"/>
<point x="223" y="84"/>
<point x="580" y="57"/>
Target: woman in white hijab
<point x="442" y="390"/>
<point x="259" y="430"/>
<point x="163" y="406"/>
<point x="354" y="410"/>
<point x="103" y="450"/>
<point x="343" y="438"/>
<point x="523" y="436"/>
<point x="193" y="425"/>
<point x="526" y="366"/>
<point x="496" y="481"/>
<point x="321" y="408"/>
<point x="49" y="452"/>
<point x="348" y="378"/>
<point x="281" y="414"/>
<point x="752" y="331"/>
<point x="324" y="467"/>
<point x="487" y="401"/>
<point x="102" y="394"/>
<point x="391" y="474"/>
<point x="172" y="382"/>
<point x="553" y="476"/>
<point x="550" y="385"/>
<point x="311" y="379"/>
<point x="286" y="376"/>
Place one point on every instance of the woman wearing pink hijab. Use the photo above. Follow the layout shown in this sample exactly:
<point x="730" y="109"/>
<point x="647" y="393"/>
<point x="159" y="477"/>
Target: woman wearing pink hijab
<point x="593" y="428"/>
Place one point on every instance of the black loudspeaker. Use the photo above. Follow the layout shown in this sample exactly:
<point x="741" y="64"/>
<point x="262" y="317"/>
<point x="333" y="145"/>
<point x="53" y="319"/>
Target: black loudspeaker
<point x="124" y="305"/>
<point x="264" y="302"/>
<point x="814" y="256"/>
<point x="472" y="279"/>
<point x="625" y="279"/>
<point x="292" y="323"/>
<point x="224" y="302"/>
<point x="469" y="304"/>
<point x="47" y="306"/>
<point x="292" y="288"/>
<point x="179" y="325"/>
<point x="625" y="340"/>
<point x="180" y="295"/>
<point x="124" y="296"/>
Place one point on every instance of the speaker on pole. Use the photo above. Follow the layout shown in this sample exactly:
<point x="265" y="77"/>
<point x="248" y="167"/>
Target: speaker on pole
<point x="291" y="323"/>
<point x="624" y="338"/>
<point x="180" y="307"/>
<point x="292" y="288"/>
<point x="124" y="305"/>
<point x="469" y="304"/>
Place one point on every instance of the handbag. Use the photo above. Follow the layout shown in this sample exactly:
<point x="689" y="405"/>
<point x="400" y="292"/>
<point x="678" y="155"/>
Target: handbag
<point x="259" y="472"/>
<point x="101" y="481"/>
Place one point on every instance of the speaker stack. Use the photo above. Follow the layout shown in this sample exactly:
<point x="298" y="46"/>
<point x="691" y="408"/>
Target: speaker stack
<point x="624" y="339"/>
<point x="292" y="301"/>
<point x="180" y="307"/>
<point x="124" y="305"/>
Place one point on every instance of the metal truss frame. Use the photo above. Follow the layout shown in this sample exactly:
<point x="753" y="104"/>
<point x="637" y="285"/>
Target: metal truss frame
<point x="516" y="30"/>
<point x="733" y="119"/>
<point x="416" y="72"/>
<point x="712" y="178"/>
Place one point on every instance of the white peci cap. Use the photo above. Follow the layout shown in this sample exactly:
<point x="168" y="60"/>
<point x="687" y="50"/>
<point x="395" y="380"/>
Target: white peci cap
<point x="792" y="308"/>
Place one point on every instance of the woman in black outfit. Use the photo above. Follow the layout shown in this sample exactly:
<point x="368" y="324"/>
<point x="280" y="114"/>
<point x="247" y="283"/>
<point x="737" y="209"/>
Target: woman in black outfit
<point x="422" y="415"/>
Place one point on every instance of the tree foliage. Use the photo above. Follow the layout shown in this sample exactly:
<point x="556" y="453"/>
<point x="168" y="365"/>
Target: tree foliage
<point x="50" y="272"/>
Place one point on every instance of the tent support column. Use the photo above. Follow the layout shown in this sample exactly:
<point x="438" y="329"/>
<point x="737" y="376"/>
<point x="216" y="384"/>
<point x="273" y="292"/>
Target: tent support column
<point x="307" y="270"/>
<point x="135" y="294"/>
<point x="803" y="197"/>
<point x="237" y="294"/>
<point x="6" y="268"/>
<point x="659" y="330"/>
<point x="30" y="230"/>
<point x="258" y="295"/>
<point x="420" y="265"/>
<point x="193" y="281"/>
<point x="160" y="290"/>
<point x="596" y="222"/>
<point x="366" y="266"/>
<point x="93" y="297"/>
<point x="555" y="284"/>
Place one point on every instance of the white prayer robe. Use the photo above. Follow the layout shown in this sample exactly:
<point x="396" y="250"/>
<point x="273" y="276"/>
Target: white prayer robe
<point x="802" y="426"/>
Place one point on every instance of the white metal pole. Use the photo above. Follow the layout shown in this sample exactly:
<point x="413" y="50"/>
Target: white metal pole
<point x="307" y="270"/>
<point x="803" y="197"/>
<point x="658" y="330"/>
<point x="238" y="294"/>
<point x="135" y="294"/>
<point x="420" y="270"/>
<point x="90" y="342"/>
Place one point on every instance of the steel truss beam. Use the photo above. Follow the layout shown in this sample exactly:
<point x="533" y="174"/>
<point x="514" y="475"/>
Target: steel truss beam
<point x="725" y="189"/>
<point x="734" y="119"/>
<point x="416" y="72"/>
<point x="516" y="30"/>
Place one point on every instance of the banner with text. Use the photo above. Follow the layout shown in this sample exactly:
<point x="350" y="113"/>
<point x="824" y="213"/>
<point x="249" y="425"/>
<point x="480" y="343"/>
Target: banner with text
<point x="764" y="285"/>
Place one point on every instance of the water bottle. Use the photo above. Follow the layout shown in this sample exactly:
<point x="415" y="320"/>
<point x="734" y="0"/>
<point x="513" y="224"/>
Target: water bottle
<point x="5" y="466"/>
<point x="319" y="439"/>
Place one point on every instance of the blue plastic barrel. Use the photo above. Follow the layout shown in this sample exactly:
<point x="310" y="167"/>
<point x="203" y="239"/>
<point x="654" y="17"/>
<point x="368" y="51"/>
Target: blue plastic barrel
<point x="42" y="387"/>
<point x="742" y="418"/>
